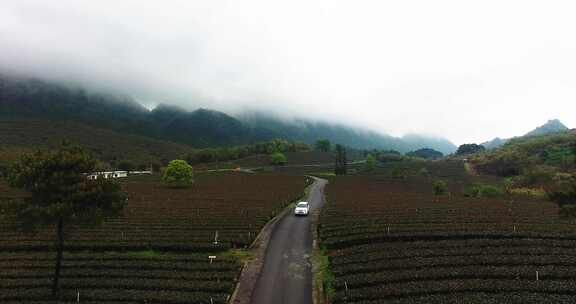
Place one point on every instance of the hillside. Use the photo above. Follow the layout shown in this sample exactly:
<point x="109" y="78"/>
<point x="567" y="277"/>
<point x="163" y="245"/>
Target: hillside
<point x="35" y="99"/>
<point x="551" y="152"/>
<point x="550" y="127"/>
<point x="17" y="135"/>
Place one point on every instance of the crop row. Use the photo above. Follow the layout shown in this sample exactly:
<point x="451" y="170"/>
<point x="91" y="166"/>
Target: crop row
<point x="157" y="251"/>
<point x="229" y="209"/>
<point x="390" y="240"/>
<point x="114" y="294"/>
<point x="487" y="297"/>
<point x="447" y="287"/>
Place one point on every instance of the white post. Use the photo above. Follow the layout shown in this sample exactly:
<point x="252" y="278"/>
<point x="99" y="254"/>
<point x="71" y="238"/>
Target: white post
<point x="514" y="228"/>
<point x="78" y="296"/>
<point x="388" y="229"/>
<point x="346" y="286"/>
<point x="537" y="278"/>
<point x="211" y="301"/>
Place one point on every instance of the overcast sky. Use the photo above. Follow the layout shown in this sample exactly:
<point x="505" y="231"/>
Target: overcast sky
<point x="464" y="70"/>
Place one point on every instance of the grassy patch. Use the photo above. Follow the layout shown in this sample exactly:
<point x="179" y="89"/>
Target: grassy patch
<point x="469" y="169"/>
<point x="323" y="174"/>
<point x="483" y="190"/>
<point x="536" y="193"/>
<point x="148" y="254"/>
<point x="241" y="255"/>
<point x="324" y="276"/>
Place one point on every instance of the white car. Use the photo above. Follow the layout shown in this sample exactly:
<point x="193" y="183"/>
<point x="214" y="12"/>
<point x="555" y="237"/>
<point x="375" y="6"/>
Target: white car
<point x="302" y="208"/>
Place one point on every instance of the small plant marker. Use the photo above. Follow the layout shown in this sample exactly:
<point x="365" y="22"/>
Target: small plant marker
<point x="211" y="257"/>
<point x="78" y="296"/>
<point x="537" y="277"/>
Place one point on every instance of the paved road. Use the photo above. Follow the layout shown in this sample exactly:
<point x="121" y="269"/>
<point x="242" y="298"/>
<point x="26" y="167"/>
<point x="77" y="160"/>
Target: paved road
<point x="286" y="277"/>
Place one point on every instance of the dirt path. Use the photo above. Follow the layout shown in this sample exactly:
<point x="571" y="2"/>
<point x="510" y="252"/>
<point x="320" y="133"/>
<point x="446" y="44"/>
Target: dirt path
<point x="286" y="272"/>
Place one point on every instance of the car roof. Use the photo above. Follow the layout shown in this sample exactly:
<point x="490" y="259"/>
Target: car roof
<point x="303" y="203"/>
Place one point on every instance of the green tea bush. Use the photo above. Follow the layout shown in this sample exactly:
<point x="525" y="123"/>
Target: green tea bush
<point x="480" y="190"/>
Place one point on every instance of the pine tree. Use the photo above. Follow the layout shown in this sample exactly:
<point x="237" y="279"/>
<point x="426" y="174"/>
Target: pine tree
<point x="62" y="194"/>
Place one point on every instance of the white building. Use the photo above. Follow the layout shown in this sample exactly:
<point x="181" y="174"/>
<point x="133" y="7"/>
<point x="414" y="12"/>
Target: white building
<point x="108" y="174"/>
<point x="139" y="172"/>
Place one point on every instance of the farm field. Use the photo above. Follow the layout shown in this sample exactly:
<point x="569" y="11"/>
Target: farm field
<point x="295" y="160"/>
<point x="390" y="241"/>
<point x="157" y="252"/>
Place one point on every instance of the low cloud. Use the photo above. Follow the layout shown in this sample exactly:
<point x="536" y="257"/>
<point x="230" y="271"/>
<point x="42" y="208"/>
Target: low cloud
<point x="463" y="70"/>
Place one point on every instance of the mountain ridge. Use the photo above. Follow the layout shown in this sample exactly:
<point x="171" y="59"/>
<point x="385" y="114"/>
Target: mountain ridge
<point x="32" y="98"/>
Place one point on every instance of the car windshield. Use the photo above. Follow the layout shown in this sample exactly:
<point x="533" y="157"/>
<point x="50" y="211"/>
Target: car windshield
<point x="302" y="205"/>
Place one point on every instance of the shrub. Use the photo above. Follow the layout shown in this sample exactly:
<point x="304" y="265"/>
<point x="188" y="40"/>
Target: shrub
<point x="480" y="190"/>
<point x="503" y="163"/>
<point x="424" y="172"/>
<point x="323" y="145"/>
<point x="370" y="162"/>
<point x="440" y="187"/>
<point x="278" y="159"/>
<point x="563" y="193"/>
<point x="535" y="177"/>
<point x="390" y="157"/>
<point x="178" y="174"/>
<point x="568" y="211"/>
<point x="398" y="172"/>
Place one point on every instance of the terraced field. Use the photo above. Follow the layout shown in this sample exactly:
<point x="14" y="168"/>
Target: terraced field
<point x="389" y="241"/>
<point x="158" y="251"/>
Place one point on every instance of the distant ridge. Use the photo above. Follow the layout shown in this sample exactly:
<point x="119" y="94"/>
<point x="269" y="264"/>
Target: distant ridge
<point x="550" y="127"/>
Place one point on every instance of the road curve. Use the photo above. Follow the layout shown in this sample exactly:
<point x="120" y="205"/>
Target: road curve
<point x="286" y="276"/>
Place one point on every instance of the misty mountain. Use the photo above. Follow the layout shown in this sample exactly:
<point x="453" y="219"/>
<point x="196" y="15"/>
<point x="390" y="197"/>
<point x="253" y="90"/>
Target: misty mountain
<point x="550" y="127"/>
<point x="26" y="98"/>
<point x="204" y="128"/>
<point x="495" y="143"/>
<point x="415" y="142"/>
<point x="309" y="132"/>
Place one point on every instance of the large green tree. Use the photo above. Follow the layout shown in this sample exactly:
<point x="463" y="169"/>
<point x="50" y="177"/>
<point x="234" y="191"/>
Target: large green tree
<point x="466" y="149"/>
<point x="340" y="167"/>
<point x="61" y="194"/>
<point x="323" y="145"/>
<point x="370" y="162"/>
<point x="278" y="159"/>
<point x="573" y="146"/>
<point x="178" y="174"/>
